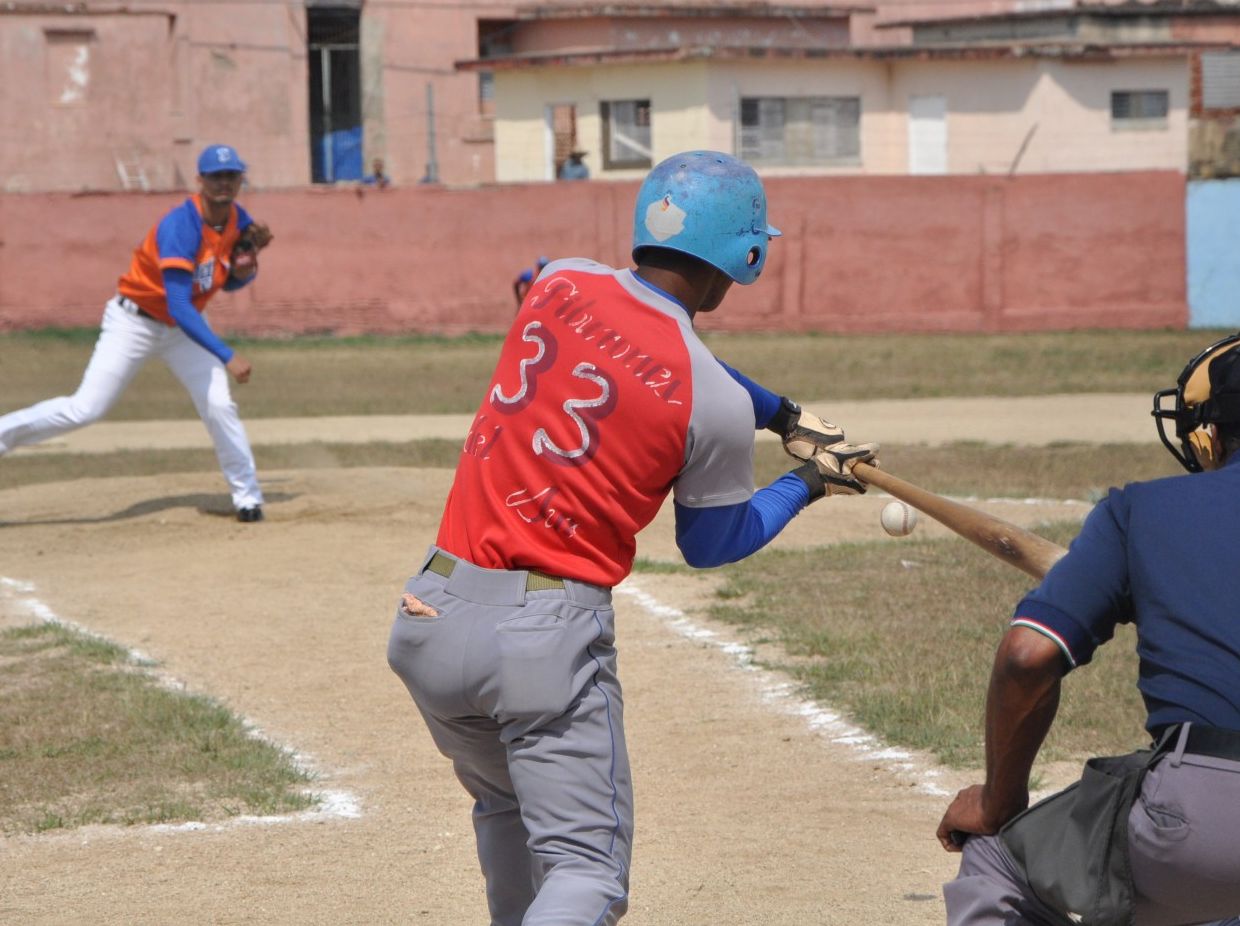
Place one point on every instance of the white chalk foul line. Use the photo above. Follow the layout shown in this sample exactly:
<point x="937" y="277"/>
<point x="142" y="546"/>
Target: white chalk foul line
<point x="330" y="803"/>
<point x="782" y="695"/>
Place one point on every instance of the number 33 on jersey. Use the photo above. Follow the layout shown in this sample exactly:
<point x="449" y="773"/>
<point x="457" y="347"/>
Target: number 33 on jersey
<point x="550" y="477"/>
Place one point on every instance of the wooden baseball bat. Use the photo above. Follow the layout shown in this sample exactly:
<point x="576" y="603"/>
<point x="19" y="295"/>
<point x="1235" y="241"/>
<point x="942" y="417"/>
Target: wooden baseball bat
<point x="1014" y="545"/>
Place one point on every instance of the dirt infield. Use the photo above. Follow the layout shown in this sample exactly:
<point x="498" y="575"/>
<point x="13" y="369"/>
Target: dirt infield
<point x="752" y="808"/>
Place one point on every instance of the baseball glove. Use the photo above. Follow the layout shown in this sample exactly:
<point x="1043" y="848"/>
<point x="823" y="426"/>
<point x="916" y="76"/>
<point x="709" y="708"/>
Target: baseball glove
<point x="830" y="471"/>
<point x="244" y="257"/>
<point x="803" y="433"/>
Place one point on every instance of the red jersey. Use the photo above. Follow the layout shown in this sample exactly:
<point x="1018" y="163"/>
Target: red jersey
<point x="603" y="400"/>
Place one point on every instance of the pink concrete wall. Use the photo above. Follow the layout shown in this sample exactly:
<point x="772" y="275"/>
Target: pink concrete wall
<point x="161" y="79"/>
<point x="859" y="254"/>
<point x="1223" y="28"/>
<point x="420" y="44"/>
<point x="151" y="86"/>
<point x="629" y="33"/>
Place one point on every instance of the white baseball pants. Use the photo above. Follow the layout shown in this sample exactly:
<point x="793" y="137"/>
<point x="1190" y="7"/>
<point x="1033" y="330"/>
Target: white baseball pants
<point x="126" y="342"/>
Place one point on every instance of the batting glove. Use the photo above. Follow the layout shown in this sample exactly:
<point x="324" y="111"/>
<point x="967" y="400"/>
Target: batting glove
<point x="803" y="433"/>
<point x="830" y="471"/>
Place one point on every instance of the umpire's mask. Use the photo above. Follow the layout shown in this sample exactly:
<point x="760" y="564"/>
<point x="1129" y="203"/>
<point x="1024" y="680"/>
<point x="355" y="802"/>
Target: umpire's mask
<point x="1207" y="392"/>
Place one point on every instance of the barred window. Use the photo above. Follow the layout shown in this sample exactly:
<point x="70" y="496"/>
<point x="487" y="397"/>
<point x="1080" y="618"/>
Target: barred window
<point x="1139" y="108"/>
<point x="800" y="130"/>
<point x="1220" y="80"/>
<point x="626" y="133"/>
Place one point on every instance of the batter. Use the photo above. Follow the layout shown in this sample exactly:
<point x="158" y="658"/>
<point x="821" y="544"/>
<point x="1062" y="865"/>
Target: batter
<point x="603" y="401"/>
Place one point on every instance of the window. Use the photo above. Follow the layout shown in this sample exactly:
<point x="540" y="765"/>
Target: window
<point x="1220" y="80"/>
<point x="494" y="41"/>
<point x="1139" y="109"/>
<point x="626" y="133"/>
<point x="801" y="130"/>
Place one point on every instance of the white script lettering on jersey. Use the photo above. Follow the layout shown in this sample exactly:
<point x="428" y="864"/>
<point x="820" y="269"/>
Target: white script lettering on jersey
<point x="607" y="340"/>
<point x="478" y="443"/>
<point x="536" y="506"/>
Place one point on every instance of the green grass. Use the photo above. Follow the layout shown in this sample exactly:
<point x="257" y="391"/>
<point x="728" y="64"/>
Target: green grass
<point x="421" y="375"/>
<point x="59" y="467"/>
<point x="901" y="636"/>
<point x="86" y="737"/>
<point x="904" y="649"/>
<point x="1081" y="471"/>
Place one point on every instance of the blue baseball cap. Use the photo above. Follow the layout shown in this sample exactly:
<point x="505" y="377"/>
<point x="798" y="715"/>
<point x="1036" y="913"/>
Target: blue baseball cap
<point x="216" y="158"/>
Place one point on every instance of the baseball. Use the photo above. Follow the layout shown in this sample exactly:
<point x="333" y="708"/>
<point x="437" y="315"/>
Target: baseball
<point x="898" y="519"/>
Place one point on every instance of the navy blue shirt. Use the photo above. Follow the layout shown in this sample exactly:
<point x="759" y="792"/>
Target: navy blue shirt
<point x="1164" y="555"/>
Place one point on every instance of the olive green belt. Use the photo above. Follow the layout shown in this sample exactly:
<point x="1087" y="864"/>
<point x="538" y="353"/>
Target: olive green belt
<point x="442" y="565"/>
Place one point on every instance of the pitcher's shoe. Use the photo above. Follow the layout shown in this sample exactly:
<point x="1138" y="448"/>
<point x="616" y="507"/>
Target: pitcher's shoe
<point x="251" y="514"/>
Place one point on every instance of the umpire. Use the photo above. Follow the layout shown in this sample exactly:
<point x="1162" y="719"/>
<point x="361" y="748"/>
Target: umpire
<point x="1162" y="555"/>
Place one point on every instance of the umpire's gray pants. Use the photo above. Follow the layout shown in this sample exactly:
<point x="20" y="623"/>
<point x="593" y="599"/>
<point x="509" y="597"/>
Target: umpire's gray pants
<point x="1183" y="842"/>
<point x="519" y="690"/>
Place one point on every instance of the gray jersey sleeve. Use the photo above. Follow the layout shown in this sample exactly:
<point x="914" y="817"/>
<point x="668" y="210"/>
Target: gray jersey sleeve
<point x="718" y="466"/>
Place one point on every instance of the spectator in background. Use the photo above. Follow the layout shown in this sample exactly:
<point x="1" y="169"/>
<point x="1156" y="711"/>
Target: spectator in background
<point x="377" y="177"/>
<point x="525" y="279"/>
<point x="574" y="168"/>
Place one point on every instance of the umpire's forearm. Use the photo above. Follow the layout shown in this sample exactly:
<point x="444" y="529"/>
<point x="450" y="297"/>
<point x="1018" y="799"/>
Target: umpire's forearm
<point x="1020" y="707"/>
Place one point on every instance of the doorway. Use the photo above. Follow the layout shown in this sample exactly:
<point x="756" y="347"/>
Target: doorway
<point x="561" y="136"/>
<point x="927" y="135"/>
<point x="334" y="63"/>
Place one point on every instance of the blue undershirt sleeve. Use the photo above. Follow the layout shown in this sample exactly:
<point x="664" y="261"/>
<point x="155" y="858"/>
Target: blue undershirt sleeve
<point x="714" y="536"/>
<point x="765" y="402"/>
<point x="179" y="287"/>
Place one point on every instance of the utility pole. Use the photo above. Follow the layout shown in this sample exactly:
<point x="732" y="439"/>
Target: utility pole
<point x="432" y="163"/>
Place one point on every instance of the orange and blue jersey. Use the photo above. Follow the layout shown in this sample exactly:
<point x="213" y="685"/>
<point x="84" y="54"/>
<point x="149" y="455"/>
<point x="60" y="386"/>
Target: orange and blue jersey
<point x="182" y="241"/>
<point x="183" y="260"/>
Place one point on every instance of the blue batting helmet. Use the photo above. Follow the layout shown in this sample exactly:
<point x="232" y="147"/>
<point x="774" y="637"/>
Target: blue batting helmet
<point x="709" y="205"/>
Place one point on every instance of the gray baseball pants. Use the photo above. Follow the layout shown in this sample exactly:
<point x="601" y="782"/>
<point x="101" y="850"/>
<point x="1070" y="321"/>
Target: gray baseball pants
<point x="1183" y="842"/>
<point x="517" y="684"/>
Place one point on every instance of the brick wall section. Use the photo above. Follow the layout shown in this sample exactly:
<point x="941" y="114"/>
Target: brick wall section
<point x="860" y="254"/>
